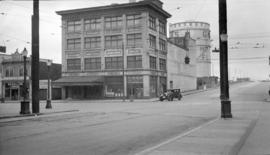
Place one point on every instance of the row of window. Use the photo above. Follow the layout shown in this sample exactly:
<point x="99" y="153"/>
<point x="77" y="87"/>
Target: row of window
<point x="9" y="72"/>
<point x="113" y="63"/>
<point x="94" y="24"/>
<point x="115" y="41"/>
<point x="116" y="22"/>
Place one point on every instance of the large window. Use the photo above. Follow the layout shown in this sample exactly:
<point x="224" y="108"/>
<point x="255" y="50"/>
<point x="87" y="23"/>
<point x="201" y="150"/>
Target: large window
<point x="113" y="41"/>
<point x="134" y="39"/>
<point x="153" y="62"/>
<point x="21" y="71"/>
<point x="152" y="40"/>
<point x="92" y="63"/>
<point x="162" y="64"/>
<point x="113" y="63"/>
<point x="133" y="20"/>
<point x="92" y="42"/>
<point x="74" y="26"/>
<point x="152" y="23"/>
<point x="153" y="86"/>
<point x="162" y="45"/>
<point x="74" y="43"/>
<point x="162" y="27"/>
<point x="113" y="22"/>
<point x="74" y="64"/>
<point x="134" y="61"/>
<point x="92" y="24"/>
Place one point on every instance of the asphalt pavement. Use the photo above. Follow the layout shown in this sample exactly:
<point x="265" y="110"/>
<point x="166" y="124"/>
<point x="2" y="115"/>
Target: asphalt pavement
<point x="189" y="126"/>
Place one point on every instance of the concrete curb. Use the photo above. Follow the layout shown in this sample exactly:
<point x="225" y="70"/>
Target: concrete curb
<point x="30" y="116"/>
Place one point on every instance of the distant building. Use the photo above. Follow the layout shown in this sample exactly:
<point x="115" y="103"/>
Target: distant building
<point x="182" y="72"/>
<point x="2" y="57"/>
<point x="100" y="43"/>
<point x="12" y="77"/>
<point x="200" y="32"/>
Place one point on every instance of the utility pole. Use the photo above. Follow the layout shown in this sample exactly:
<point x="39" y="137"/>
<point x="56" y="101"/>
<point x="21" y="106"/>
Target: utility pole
<point x="35" y="57"/>
<point x="223" y="56"/>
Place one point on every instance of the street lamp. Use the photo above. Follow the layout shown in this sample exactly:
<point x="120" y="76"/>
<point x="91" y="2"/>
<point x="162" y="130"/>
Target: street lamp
<point x="49" y="105"/>
<point x="24" y="103"/>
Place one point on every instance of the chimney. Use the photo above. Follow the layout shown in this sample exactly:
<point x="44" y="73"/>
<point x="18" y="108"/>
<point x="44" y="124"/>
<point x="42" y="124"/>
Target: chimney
<point x="156" y="2"/>
<point x="132" y="1"/>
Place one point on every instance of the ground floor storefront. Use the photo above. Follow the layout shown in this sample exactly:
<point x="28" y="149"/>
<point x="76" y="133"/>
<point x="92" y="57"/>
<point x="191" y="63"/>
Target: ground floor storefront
<point x="12" y="90"/>
<point x="99" y="87"/>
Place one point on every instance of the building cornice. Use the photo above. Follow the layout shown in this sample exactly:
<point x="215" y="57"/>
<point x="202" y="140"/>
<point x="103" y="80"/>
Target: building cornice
<point x="116" y="6"/>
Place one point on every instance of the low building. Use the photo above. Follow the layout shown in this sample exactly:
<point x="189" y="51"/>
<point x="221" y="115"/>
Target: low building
<point x="12" y="74"/>
<point x="181" y="62"/>
<point x="200" y="32"/>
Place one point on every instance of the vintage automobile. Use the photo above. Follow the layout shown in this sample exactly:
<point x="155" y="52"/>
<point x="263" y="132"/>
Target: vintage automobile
<point x="170" y="95"/>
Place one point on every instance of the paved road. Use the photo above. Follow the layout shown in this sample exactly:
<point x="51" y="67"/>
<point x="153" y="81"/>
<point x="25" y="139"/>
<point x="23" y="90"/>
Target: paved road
<point x="116" y="128"/>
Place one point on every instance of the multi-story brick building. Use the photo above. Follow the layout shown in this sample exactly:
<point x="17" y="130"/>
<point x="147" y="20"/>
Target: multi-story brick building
<point x="114" y="50"/>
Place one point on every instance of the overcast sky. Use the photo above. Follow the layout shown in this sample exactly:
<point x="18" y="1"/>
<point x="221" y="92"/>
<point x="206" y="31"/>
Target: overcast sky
<point x="248" y="22"/>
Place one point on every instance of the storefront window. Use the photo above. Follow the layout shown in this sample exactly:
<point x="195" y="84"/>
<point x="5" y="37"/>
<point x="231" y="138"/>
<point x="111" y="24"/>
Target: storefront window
<point x="135" y="86"/>
<point x="153" y="86"/>
<point x="114" y="86"/>
<point x="162" y="84"/>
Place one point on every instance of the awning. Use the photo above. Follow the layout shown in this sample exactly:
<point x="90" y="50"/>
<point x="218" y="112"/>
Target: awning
<point x="79" y="81"/>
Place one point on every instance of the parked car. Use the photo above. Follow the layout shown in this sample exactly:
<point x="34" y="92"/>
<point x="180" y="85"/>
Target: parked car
<point x="170" y="95"/>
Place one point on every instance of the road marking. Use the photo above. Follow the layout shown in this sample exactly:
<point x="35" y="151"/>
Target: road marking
<point x="148" y="150"/>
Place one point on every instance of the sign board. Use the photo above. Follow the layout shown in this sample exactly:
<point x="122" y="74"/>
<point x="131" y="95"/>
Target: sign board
<point x="113" y="52"/>
<point x="134" y="51"/>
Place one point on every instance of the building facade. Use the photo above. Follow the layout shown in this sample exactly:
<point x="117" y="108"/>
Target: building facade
<point x="182" y="73"/>
<point x="12" y="75"/>
<point x="200" y="32"/>
<point x="114" y="51"/>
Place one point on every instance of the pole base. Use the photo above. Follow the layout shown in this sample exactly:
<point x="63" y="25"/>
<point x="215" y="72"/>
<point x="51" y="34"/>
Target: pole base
<point x="49" y="104"/>
<point x="25" y="107"/>
<point x="226" y="109"/>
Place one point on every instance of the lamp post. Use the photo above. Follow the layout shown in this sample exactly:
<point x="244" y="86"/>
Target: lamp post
<point x="24" y="103"/>
<point x="223" y="56"/>
<point x="48" y="104"/>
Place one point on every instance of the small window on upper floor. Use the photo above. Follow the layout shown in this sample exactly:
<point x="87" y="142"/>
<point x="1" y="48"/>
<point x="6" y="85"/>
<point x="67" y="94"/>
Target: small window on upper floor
<point x="92" y="24"/>
<point x="162" y="27"/>
<point x="134" y="20"/>
<point x="74" y="26"/>
<point x="152" y="23"/>
<point x="113" y="23"/>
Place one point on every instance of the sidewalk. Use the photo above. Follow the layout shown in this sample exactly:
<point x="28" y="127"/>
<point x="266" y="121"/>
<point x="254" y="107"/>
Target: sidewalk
<point x="217" y="137"/>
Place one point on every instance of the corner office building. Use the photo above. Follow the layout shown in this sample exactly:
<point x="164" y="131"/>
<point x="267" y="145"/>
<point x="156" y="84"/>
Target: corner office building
<point x="99" y="44"/>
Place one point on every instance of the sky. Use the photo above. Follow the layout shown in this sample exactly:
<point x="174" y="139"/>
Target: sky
<point x="248" y="26"/>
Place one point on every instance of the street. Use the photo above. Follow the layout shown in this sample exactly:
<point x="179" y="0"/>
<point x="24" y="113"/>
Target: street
<point x="121" y="128"/>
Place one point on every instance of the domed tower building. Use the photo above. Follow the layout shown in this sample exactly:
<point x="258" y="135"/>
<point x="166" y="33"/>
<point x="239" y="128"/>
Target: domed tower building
<point x="200" y="32"/>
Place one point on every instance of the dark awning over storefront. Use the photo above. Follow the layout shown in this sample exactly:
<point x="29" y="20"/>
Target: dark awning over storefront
<point x="79" y="81"/>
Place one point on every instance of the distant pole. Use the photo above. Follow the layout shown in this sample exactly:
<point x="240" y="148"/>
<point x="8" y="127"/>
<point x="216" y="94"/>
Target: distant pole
<point x="35" y="57"/>
<point x="123" y="71"/>
<point x="49" y="102"/>
<point x="223" y="56"/>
